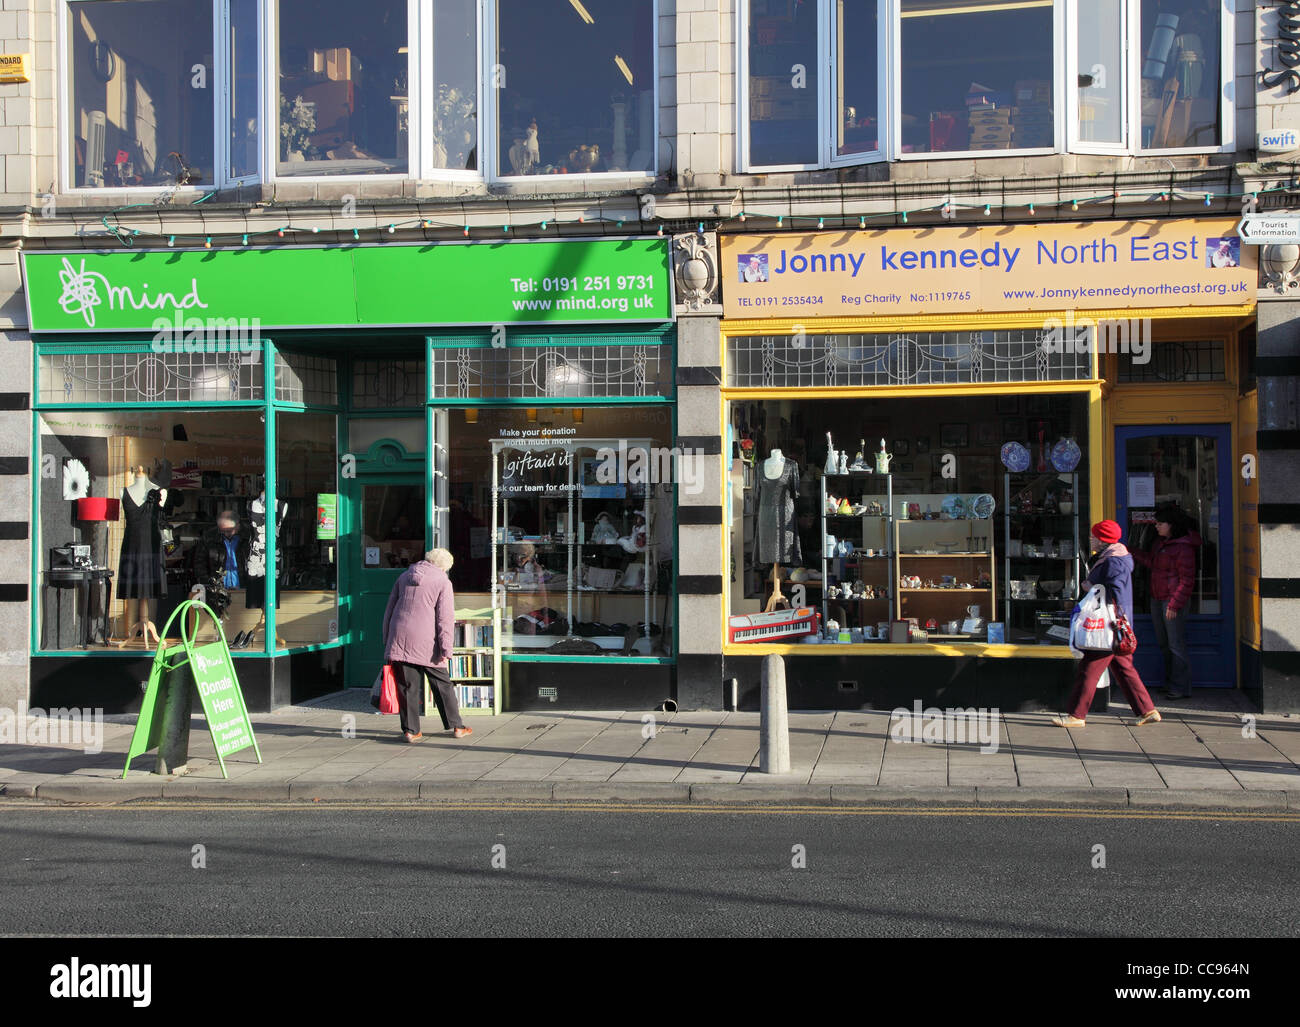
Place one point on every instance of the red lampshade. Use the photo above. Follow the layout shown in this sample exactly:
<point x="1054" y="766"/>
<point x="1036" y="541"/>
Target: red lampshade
<point x="98" y="508"/>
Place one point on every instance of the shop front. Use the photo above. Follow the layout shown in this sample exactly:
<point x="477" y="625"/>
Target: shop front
<point x="282" y="431"/>
<point x="922" y="426"/>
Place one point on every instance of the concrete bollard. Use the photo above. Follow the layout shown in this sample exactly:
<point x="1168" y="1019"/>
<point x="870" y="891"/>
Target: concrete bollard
<point x="174" y="735"/>
<point x="774" y="732"/>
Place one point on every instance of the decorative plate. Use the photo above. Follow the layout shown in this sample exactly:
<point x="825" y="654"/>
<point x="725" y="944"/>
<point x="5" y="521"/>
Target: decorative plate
<point x="1065" y="455"/>
<point x="1015" y="457"/>
<point x="983" y="506"/>
<point x="954" y="508"/>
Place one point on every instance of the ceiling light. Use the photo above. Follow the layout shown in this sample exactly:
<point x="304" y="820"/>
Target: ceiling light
<point x="622" y="66"/>
<point x="582" y="12"/>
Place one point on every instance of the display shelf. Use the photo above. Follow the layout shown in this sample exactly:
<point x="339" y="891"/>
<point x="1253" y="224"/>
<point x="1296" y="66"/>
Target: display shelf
<point x="1026" y="496"/>
<point x="835" y="567"/>
<point x="480" y="617"/>
<point x="977" y="566"/>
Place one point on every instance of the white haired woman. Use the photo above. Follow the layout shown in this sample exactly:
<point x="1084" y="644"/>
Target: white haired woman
<point x="418" y="632"/>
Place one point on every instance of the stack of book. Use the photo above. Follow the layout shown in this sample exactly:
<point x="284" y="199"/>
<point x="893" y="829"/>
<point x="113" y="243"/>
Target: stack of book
<point x="1032" y="119"/>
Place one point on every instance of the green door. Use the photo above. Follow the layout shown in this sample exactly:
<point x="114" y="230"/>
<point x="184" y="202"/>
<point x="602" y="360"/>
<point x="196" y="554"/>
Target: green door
<point x="386" y="534"/>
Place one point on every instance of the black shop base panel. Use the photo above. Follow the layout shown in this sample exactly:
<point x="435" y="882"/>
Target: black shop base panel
<point x="585" y="686"/>
<point x="888" y="682"/>
<point x="116" y="684"/>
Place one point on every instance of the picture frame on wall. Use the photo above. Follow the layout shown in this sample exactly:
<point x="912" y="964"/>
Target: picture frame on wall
<point x="1008" y="404"/>
<point x="922" y="445"/>
<point x="1040" y="424"/>
<point x="986" y="434"/>
<point x="901" y="447"/>
<point x="1040" y="405"/>
<point x="954" y="436"/>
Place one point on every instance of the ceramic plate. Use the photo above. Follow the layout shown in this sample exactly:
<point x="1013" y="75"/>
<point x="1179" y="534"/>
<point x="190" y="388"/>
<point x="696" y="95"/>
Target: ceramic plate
<point x="983" y="506"/>
<point x="1065" y="455"/>
<point x="954" y="508"/>
<point x="1015" y="457"/>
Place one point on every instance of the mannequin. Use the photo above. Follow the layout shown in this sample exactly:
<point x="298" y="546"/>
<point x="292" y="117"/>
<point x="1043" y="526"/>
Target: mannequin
<point x="255" y="596"/>
<point x="776" y="536"/>
<point x="141" y="575"/>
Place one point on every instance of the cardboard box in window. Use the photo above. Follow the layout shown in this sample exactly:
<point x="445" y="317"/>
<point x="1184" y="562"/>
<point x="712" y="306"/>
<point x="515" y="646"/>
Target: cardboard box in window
<point x="1033" y="91"/>
<point x="1052" y="627"/>
<point x="334" y="103"/>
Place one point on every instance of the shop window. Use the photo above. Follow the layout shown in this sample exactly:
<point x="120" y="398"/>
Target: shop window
<point x="552" y="372"/>
<point x="342" y="95"/>
<point x="554" y="519"/>
<point x="1202" y="361"/>
<point x="575" y="87"/>
<point x="141" y="90"/>
<point x="919" y="358"/>
<point x="783" y="68"/>
<point x="149" y="377"/>
<point x="977" y="76"/>
<point x="153" y="484"/>
<point x="981" y="522"/>
<point x="306" y="462"/>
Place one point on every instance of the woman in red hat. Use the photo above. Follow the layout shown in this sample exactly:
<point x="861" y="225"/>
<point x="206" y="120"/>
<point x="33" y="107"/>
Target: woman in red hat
<point x="1114" y="569"/>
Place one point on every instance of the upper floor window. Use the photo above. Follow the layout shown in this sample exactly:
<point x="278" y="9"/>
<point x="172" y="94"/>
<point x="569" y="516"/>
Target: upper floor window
<point x="177" y="91"/>
<point x="140" y="90"/>
<point x="575" y="87"/>
<point x="831" y="82"/>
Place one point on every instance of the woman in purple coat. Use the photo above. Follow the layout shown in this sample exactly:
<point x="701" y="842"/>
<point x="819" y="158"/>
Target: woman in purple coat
<point x="418" y="639"/>
<point x="1114" y="569"/>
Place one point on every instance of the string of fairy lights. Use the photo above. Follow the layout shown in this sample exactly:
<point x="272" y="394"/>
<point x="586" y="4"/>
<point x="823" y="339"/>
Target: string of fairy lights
<point x="947" y="209"/>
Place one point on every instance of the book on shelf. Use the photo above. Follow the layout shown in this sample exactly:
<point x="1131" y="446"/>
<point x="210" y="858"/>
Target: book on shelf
<point x="470" y="665"/>
<point x="474" y="697"/>
<point x="470" y="635"/>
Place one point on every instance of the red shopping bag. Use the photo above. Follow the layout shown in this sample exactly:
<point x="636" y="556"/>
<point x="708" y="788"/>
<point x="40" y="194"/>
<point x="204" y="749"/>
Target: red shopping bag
<point x="388" y="691"/>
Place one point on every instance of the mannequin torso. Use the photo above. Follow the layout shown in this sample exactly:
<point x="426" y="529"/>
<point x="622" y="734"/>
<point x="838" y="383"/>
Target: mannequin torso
<point x="774" y="465"/>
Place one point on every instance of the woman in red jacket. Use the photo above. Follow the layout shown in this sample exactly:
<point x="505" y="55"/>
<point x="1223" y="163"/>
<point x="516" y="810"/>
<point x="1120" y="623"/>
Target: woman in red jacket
<point x="1172" y="562"/>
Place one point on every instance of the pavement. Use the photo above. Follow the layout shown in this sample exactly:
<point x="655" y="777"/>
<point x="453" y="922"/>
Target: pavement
<point x="1212" y="752"/>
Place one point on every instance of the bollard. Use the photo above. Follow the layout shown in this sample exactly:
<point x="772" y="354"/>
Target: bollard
<point x="174" y="736"/>
<point x="774" y="731"/>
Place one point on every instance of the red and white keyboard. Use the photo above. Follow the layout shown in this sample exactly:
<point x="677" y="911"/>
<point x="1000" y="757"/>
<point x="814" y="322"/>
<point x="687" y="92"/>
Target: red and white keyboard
<point x="767" y="627"/>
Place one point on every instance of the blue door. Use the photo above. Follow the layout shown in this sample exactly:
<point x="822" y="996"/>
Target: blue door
<point x="1192" y="466"/>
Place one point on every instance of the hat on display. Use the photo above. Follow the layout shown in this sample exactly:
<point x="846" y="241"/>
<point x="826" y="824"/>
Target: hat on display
<point x="1107" y="531"/>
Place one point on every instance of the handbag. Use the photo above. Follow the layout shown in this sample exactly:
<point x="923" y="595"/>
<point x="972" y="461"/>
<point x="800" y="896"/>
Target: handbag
<point x="388" y="691"/>
<point x="1126" y="642"/>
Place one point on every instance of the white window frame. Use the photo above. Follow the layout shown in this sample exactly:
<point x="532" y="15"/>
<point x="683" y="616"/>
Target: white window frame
<point x="218" y="84"/>
<point x="1072" y="70"/>
<point x="271" y="103"/>
<point x="1059" y="114"/>
<point x="1227" y="85"/>
<point x="827" y="108"/>
<point x="222" y="122"/>
<point x="489" y="148"/>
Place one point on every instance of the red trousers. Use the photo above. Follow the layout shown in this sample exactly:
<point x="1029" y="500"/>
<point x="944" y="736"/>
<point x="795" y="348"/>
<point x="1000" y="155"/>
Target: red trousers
<point x="1122" y="671"/>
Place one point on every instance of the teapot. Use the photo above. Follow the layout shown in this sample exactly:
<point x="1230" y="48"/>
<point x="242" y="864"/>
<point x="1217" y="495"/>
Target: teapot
<point x="883" y="459"/>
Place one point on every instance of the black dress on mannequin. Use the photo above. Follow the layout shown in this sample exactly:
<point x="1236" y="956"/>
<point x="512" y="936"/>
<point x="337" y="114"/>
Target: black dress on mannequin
<point x="141" y="574"/>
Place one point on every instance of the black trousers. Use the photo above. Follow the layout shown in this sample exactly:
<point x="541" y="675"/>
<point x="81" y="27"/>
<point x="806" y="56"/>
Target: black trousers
<point x="444" y="694"/>
<point x="410" y="695"/>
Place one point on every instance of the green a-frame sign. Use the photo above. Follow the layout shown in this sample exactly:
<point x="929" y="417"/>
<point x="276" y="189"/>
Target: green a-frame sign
<point x="214" y="676"/>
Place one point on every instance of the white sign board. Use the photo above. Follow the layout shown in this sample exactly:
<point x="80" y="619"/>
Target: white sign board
<point x="1270" y="229"/>
<point x="1142" y="490"/>
<point x="1278" y="140"/>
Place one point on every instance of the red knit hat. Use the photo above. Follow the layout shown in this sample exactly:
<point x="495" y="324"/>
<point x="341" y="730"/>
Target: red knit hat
<point x="1107" y="531"/>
